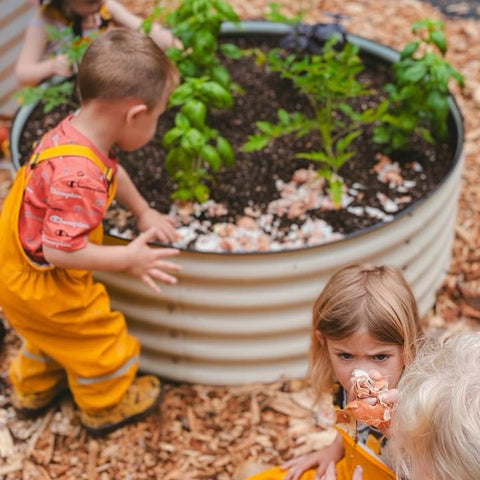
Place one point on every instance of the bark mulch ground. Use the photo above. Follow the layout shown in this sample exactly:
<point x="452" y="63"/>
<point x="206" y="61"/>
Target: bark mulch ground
<point x="205" y="432"/>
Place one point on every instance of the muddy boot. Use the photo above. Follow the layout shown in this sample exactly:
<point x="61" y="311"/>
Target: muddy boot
<point x="140" y="399"/>
<point x="33" y="404"/>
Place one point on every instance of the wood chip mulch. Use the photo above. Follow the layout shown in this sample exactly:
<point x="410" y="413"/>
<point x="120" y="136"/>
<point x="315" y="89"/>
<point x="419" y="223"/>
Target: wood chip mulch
<point x="205" y="432"/>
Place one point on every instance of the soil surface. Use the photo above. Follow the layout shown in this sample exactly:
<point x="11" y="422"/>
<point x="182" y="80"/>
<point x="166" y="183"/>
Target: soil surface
<point x="255" y="205"/>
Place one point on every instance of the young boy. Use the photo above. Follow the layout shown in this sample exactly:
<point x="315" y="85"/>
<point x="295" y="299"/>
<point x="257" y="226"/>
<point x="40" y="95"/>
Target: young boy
<point x="51" y="233"/>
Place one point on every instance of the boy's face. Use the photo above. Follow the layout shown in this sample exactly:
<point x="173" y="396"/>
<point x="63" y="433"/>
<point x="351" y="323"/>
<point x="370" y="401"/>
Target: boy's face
<point x="141" y="127"/>
<point x="361" y="350"/>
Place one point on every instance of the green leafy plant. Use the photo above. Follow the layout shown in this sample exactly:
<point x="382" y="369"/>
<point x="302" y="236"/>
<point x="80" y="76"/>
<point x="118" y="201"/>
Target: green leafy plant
<point x="328" y="81"/>
<point x="418" y="95"/>
<point x="51" y="93"/>
<point x="194" y="150"/>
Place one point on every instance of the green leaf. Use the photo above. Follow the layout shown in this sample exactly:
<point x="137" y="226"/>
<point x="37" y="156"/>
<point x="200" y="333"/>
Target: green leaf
<point x="283" y="116"/>
<point x="265" y="127"/>
<point x="381" y="134"/>
<point x="201" y="192"/>
<point x="182" y="122"/>
<point x="204" y="43"/>
<point x="182" y="194"/>
<point x="181" y="94"/>
<point x="193" y="141"/>
<point x="315" y="156"/>
<point x="171" y="137"/>
<point x="255" y="143"/>
<point x="226" y="11"/>
<point x="214" y="93"/>
<point x="344" y="142"/>
<point x="409" y="49"/>
<point x="212" y="157"/>
<point x="220" y="75"/>
<point x="414" y="73"/>
<point x="195" y="111"/>
<point x="438" y="39"/>
<point x="231" y="51"/>
<point x="225" y="150"/>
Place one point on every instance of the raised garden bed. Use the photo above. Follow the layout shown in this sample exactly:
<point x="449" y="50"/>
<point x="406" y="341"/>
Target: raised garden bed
<point x="238" y="317"/>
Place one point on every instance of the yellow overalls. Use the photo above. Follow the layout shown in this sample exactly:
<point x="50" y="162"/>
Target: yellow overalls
<point x="63" y="316"/>
<point x="355" y="454"/>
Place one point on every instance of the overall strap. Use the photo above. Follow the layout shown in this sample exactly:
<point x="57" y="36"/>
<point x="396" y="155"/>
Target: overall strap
<point x="74" y="151"/>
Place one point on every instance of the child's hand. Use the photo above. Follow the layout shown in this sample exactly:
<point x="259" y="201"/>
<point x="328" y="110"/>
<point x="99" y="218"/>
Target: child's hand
<point x="164" y="224"/>
<point x="330" y="473"/>
<point x="164" y="38"/>
<point x="146" y="262"/>
<point x="59" y="65"/>
<point x="320" y="459"/>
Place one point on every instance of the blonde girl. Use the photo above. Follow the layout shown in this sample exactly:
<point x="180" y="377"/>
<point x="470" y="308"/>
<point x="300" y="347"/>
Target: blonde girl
<point x="39" y="58"/>
<point x="365" y="318"/>
<point x="436" y="422"/>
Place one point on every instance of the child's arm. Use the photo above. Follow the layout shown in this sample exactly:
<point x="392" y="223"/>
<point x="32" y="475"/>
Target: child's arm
<point x="123" y="18"/>
<point x="31" y="67"/>
<point x="137" y="258"/>
<point x="128" y="195"/>
<point x="320" y="459"/>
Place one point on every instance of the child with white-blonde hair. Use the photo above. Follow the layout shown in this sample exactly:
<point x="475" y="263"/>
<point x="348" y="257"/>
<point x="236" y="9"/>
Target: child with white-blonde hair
<point x="436" y="422"/>
<point x="365" y="318"/>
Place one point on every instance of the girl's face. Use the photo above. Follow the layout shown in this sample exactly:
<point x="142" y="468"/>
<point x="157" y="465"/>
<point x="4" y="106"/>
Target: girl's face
<point x="361" y="350"/>
<point x="84" y="7"/>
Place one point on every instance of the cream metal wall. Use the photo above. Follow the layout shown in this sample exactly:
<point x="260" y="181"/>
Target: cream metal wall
<point x="14" y="17"/>
<point x="246" y="318"/>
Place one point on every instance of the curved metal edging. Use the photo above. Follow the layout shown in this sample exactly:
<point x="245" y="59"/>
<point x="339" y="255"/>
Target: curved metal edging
<point x="18" y="122"/>
<point x="236" y="318"/>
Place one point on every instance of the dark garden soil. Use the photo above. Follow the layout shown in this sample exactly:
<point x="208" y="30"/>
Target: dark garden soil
<point x="377" y="186"/>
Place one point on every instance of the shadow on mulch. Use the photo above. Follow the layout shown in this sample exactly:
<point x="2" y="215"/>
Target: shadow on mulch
<point x="457" y="9"/>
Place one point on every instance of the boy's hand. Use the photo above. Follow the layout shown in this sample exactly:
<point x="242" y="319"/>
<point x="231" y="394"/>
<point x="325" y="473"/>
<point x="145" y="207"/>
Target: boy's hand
<point x="146" y="262"/>
<point x="164" y="224"/>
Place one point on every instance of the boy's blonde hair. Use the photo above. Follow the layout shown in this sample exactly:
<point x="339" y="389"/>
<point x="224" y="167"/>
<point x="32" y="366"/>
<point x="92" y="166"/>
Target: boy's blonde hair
<point x="374" y="297"/>
<point x="123" y="63"/>
<point x="436" y="423"/>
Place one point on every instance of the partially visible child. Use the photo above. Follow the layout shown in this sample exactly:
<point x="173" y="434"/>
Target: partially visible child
<point x="365" y="318"/>
<point x="51" y="240"/>
<point x="38" y="60"/>
<point x="436" y="423"/>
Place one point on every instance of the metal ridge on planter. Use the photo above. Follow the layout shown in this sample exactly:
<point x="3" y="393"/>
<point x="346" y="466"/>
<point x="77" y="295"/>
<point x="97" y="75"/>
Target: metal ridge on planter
<point x="245" y="317"/>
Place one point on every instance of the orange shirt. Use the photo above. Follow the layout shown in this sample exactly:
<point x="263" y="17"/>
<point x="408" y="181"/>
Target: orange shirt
<point x="65" y="198"/>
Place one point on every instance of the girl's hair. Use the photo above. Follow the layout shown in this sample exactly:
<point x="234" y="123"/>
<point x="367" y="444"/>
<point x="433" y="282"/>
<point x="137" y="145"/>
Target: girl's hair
<point x="362" y="296"/>
<point x="436" y="423"/>
<point x="123" y="63"/>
